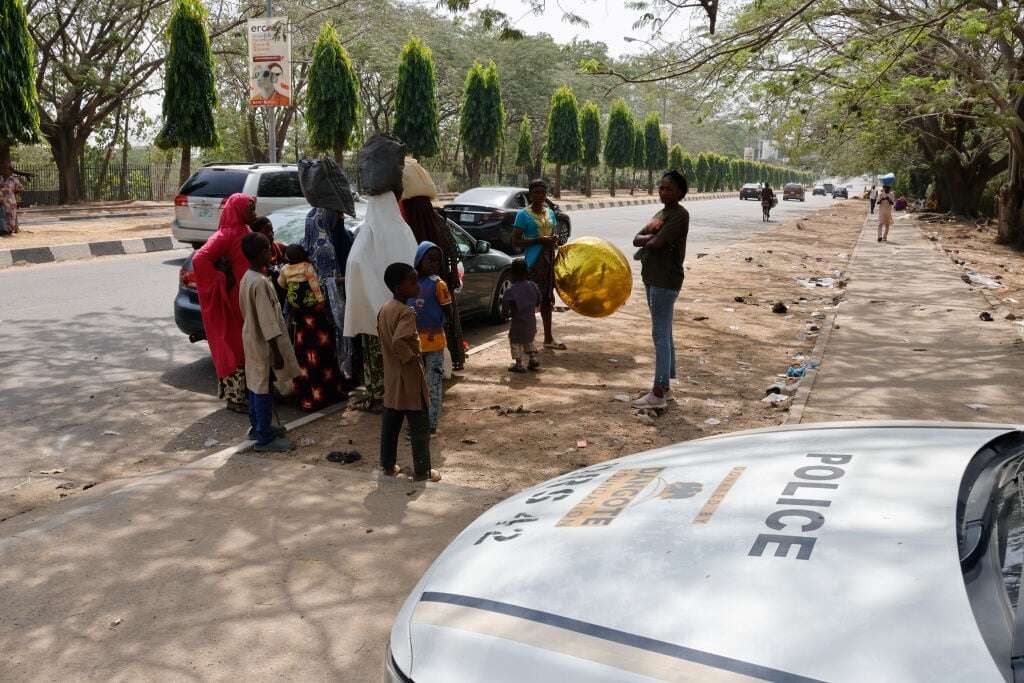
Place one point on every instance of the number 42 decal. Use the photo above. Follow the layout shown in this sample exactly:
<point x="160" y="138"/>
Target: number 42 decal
<point x="510" y="531"/>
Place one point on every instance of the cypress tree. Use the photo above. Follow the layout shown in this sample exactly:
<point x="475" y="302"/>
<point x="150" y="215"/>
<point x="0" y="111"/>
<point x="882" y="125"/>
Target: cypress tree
<point x="590" y="130"/>
<point x="524" y="147"/>
<point x="190" y="91"/>
<point x="689" y="170"/>
<point x="652" y="144"/>
<point x="483" y="116"/>
<point x="703" y="171"/>
<point x="639" y="152"/>
<point x="416" y="117"/>
<point x="618" y="145"/>
<point x="332" y="95"/>
<point x="564" y="144"/>
<point x="19" y="115"/>
<point x="675" y="159"/>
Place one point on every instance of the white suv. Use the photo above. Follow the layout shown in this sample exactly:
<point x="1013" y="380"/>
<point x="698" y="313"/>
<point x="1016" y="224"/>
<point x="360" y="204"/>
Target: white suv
<point x="198" y="204"/>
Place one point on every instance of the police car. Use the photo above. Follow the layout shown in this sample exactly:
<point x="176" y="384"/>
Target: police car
<point x="842" y="552"/>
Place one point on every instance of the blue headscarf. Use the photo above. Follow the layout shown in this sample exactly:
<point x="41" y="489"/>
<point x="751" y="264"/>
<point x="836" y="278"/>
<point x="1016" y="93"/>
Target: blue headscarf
<point x="422" y="250"/>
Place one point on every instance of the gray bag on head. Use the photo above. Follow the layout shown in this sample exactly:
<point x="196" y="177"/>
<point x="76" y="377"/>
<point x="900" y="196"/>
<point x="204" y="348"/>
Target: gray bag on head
<point x="325" y="186"/>
<point x="381" y="161"/>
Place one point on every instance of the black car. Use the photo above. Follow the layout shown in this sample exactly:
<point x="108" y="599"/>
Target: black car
<point x="840" y="192"/>
<point x="751" y="191"/>
<point x="484" y="276"/>
<point x="487" y="213"/>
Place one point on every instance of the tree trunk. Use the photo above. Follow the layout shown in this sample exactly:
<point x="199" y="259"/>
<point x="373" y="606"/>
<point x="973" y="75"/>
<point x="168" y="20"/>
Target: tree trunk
<point x="186" y="165"/>
<point x="558" y="181"/>
<point x="123" y="190"/>
<point x="611" y="182"/>
<point x="588" y="189"/>
<point x="473" y="167"/>
<point x="339" y="156"/>
<point x="650" y="181"/>
<point x="67" y="151"/>
<point x="1011" y="197"/>
<point x="5" y="152"/>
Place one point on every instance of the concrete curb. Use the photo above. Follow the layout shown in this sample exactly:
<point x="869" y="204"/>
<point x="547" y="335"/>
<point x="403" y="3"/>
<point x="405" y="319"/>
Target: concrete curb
<point x="803" y="392"/>
<point x="615" y="203"/>
<point x="85" y="250"/>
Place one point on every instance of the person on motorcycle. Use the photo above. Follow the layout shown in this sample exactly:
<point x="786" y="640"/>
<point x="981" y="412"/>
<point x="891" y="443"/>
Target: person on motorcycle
<point x="767" y="202"/>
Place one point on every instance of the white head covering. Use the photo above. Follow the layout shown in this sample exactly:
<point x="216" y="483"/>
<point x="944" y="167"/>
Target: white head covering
<point x="383" y="238"/>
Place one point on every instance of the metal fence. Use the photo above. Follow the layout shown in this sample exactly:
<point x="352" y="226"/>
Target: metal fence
<point x="115" y="182"/>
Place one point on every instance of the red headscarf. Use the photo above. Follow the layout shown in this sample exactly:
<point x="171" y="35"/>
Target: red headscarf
<point x="222" y="317"/>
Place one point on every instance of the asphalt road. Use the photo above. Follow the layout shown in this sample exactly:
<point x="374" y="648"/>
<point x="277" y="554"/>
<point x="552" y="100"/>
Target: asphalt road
<point x="99" y="383"/>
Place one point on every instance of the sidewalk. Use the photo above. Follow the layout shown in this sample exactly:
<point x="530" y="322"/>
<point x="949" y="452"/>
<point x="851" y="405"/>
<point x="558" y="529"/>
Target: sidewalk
<point x="908" y="342"/>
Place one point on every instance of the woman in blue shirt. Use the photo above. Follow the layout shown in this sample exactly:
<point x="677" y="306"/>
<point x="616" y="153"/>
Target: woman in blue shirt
<point x="534" y="232"/>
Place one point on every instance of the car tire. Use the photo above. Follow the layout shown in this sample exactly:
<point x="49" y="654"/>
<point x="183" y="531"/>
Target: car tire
<point x="504" y="282"/>
<point x="564" y="231"/>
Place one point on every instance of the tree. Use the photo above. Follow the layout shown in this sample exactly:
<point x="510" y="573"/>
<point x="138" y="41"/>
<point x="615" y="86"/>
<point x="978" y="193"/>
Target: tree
<point x="190" y="91"/>
<point x="675" y="158"/>
<point x="590" y="130"/>
<point x="618" y="145"/>
<point x="652" y="144"/>
<point x="703" y="172"/>
<point x="524" y="147"/>
<point x="564" y="144"/>
<point x="639" y="152"/>
<point x="688" y="170"/>
<point x="19" y="118"/>
<point x="332" y="95"/>
<point x="416" y="116"/>
<point x="483" y="117"/>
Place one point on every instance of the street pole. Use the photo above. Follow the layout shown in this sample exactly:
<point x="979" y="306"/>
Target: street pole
<point x="271" y="112"/>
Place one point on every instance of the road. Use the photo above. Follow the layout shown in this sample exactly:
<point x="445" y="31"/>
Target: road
<point x="99" y="383"/>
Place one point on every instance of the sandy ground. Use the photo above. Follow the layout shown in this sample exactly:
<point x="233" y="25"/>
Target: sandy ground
<point x="729" y="352"/>
<point x="44" y="228"/>
<point x="973" y="248"/>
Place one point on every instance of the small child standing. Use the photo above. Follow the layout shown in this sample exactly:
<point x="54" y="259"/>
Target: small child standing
<point x="299" y="279"/>
<point x="433" y="306"/>
<point x="405" y="387"/>
<point x="265" y="342"/>
<point x="520" y="302"/>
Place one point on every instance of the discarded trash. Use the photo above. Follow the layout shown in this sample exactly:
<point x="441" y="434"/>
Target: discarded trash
<point x="509" y="410"/>
<point x="622" y="398"/>
<point x="306" y="441"/>
<point x="116" y="622"/>
<point x="812" y="282"/>
<point x="58" y="470"/>
<point x="974" y="278"/>
<point x="1010" y="316"/>
<point x="812" y="328"/>
<point x="700" y="318"/>
<point x="344" y="457"/>
<point x="89" y="486"/>
<point x="66" y="485"/>
<point x="749" y="259"/>
<point x="111" y="432"/>
<point x="613" y="361"/>
<point x="712" y="421"/>
<point x="775" y="399"/>
<point x="779" y="308"/>
<point x="646" y="419"/>
<point x="210" y="442"/>
<point x="582" y="443"/>
<point x="795" y="371"/>
<point x="977" y="406"/>
<point x="469" y="442"/>
<point x="986" y="316"/>
<point x="729" y="310"/>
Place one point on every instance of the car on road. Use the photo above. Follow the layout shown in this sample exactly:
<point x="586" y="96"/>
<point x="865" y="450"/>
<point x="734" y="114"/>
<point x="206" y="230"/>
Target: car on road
<point x="198" y="204"/>
<point x="484" y="277"/>
<point x="843" y="552"/>
<point x="750" y="191"/>
<point x="793" y="191"/>
<point x="818" y="190"/>
<point x="487" y="213"/>
<point x="829" y="187"/>
<point x="841" y="192"/>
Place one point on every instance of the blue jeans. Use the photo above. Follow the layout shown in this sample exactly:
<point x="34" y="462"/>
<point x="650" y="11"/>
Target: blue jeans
<point x="433" y="366"/>
<point x="661" y="303"/>
<point x="261" y="417"/>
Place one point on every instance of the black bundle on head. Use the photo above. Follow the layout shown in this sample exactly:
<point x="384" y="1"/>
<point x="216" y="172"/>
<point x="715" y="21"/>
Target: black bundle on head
<point x="254" y="244"/>
<point x="295" y="253"/>
<point x="537" y="182"/>
<point x="395" y="274"/>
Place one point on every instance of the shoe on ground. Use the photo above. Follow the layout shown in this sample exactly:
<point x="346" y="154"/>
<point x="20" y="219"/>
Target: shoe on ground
<point x="649" y="400"/>
<point x="278" y="445"/>
<point x="433" y="476"/>
<point x="278" y="431"/>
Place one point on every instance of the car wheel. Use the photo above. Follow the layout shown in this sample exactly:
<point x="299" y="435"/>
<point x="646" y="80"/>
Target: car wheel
<point x="504" y="282"/>
<point x="563" y="231"/>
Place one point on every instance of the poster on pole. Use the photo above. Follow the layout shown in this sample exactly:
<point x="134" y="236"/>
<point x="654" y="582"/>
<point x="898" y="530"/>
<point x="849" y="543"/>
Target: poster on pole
<point x="270" y="62"/>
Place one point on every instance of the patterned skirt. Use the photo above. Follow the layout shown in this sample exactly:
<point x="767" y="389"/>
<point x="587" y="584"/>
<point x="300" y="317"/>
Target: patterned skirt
<point x="319" y="382"/>
<point x="233" y="390"/>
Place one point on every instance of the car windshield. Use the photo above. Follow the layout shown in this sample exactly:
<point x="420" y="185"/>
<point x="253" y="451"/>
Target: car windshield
<point x="750" y="186"/>
<point x="465" y="247"/>
<point x="214" y="182"/>
<point x="290" y="224"/>
<point x="484" y="196"/>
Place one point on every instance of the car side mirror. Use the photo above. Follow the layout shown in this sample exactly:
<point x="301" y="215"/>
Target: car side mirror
<point x="482" y="247"/>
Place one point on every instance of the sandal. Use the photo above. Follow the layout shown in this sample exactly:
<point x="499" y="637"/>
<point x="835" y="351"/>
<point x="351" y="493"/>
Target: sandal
<point x="533" y="366"/>
<point x="433" y="476"/>
<point x="516" y="368"/>
<point x="393" y="472"/>
<point x="555" y="346"/>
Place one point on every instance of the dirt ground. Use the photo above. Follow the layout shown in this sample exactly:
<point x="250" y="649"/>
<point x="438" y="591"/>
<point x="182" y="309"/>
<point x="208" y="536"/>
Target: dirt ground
<point x="44" y="228"/>
<point x="973" y="248"/>
<point x="729" y="352"/>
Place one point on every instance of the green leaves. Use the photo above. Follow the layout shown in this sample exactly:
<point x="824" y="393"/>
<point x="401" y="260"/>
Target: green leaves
<point x="590" y="131"/>
<point x="564" y="143"/>
<point x="19" y="117"/>
<point x="655" y="146"/>
<point x="332" y="93"/>
<point x="483" y="115"/>
<point x="190" y="91"/>
<point x="618" y="146"/>
<point x="416" y="116"/>
<point x="524" y="146"/>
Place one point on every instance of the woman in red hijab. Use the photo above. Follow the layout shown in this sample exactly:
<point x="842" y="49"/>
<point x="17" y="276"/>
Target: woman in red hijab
<point x="219" y="266"/>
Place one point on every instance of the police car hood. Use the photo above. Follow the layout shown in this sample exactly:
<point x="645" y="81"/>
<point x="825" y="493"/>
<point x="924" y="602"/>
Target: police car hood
<point x="809" y="554"/>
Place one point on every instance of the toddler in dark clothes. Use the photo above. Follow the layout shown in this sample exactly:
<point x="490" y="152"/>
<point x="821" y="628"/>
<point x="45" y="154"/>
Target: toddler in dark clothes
<point x="520" y="302"/>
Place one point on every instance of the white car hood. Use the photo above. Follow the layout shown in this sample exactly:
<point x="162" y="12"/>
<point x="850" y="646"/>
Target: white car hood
<point x="663" y="566"/>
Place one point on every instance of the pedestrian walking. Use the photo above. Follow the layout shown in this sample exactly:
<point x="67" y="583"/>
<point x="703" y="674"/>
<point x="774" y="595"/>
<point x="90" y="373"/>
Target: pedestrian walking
<point x="219" y="266"/>
<point x="534" y="231"/>
<point x="267" y="347"/>
<point x="520" y="303"/>
<point x="886" y="202"/>
<point x="662" y="245"/>
<point x="10" y="188"/>
<point x="406" y="395"/>
<point x="768" y="202"/>
<point x="873" y="198"/>
<point x="432" y="305"/>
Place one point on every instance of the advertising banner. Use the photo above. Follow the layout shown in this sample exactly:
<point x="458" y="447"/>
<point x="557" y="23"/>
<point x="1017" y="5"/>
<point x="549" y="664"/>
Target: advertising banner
<point x="270" y="66"/>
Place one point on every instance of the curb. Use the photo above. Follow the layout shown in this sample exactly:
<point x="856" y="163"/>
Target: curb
<point x="615" y="203"/>
<point x="803" y="392"/>
<point x="85" y="250"/>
